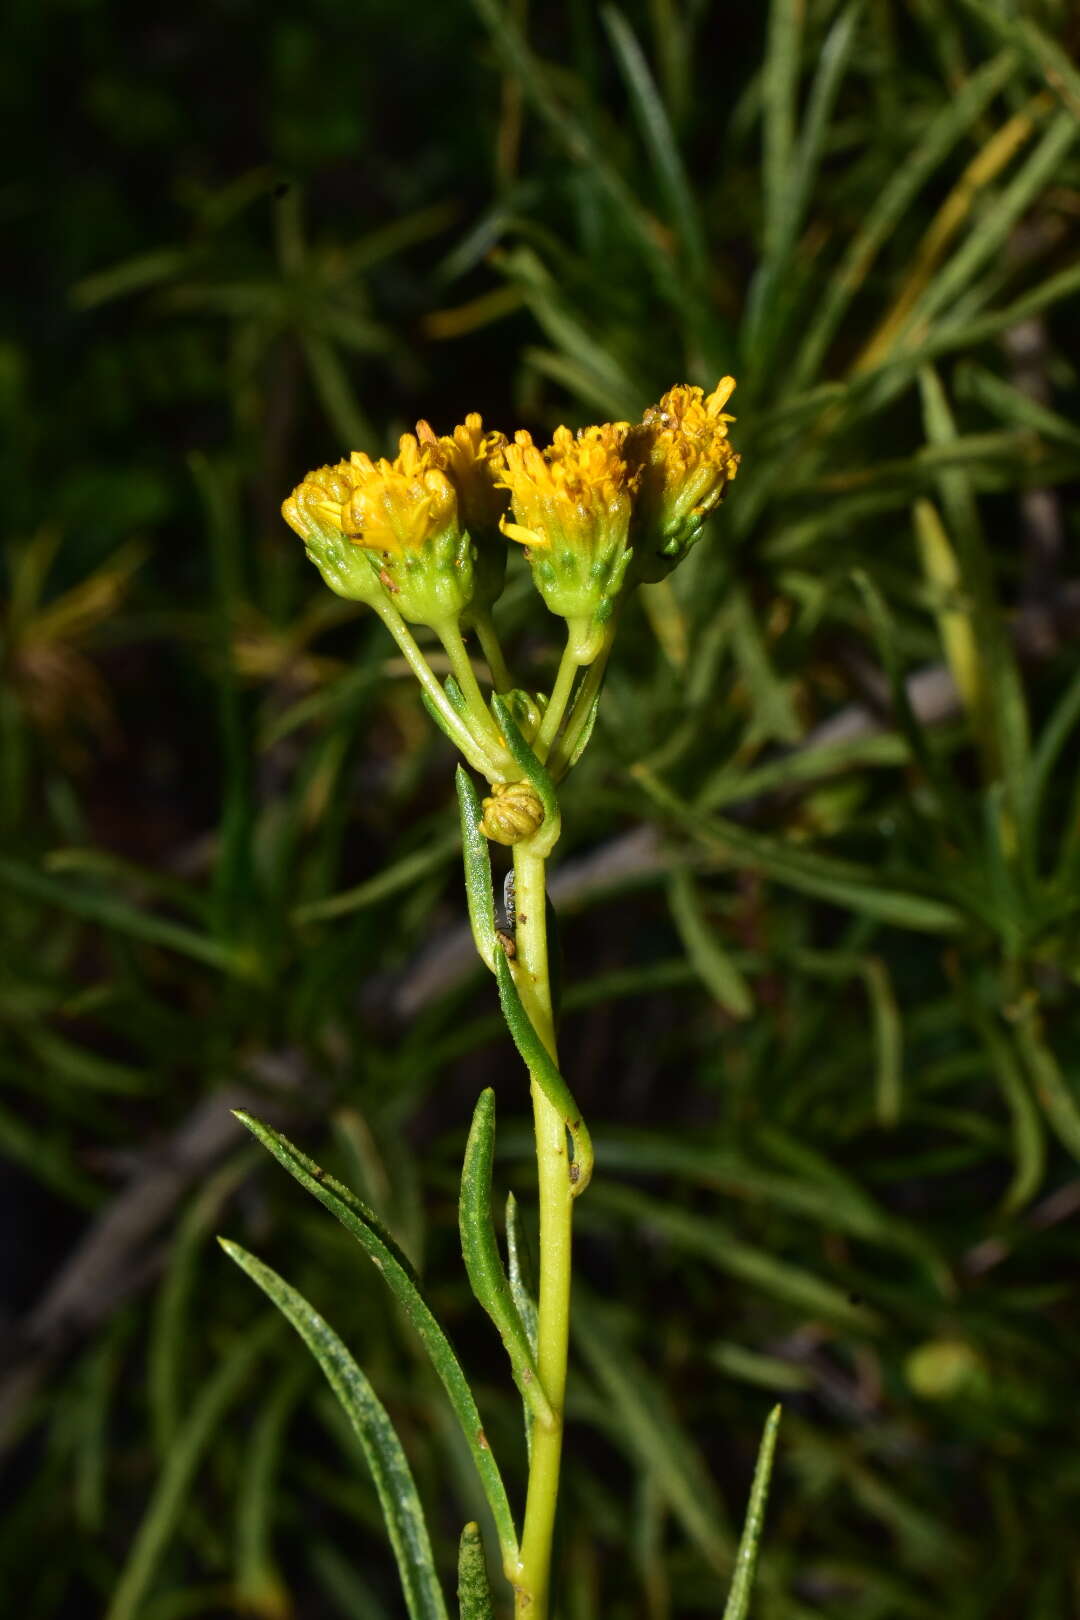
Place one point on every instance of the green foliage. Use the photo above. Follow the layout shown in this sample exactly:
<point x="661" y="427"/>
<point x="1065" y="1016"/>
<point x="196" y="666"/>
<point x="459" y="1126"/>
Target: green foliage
<point x="822" y="857"/>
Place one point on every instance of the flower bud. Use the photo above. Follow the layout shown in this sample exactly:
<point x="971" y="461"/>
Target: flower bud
<point x="512" y="813"/>
<point x="685" y="463"/>
<point x="572" y="505"/>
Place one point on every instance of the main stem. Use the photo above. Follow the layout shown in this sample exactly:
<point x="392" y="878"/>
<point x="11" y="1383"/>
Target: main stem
<point x="553" y="1323"/>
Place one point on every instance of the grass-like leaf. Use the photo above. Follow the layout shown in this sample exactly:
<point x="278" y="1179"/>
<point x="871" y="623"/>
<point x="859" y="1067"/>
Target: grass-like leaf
<point x="483" y="1262"/>
<point x="169" y="1496"/>
<point x="537" y="1059"/>
<point x="742" y="1583"/>
<point x="477" y="860"/>
<point x="390" y="1470"/>
<point x="399" y="1276"/>
<point x="474" y="1588"/>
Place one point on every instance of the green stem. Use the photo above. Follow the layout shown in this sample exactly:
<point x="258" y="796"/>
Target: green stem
<point x="487" y="636"/>
<point x="461" y="664"/>
<point x="472" y="748"/>
<point x="560" y="697"/>
<point x="556" y="1205"/>
<point x="579" y="714"/>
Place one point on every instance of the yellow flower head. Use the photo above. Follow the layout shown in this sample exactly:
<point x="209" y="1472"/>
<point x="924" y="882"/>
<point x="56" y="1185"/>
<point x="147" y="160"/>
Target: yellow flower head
<point x="469" y="457"/>
<point x="572" y="504"/>
<point x="398" y="506"/>
<point x="384" y="531"/>
<point x="686" y="463"/>
<point x="315" y="509"/>
<point x="574" y="494"/>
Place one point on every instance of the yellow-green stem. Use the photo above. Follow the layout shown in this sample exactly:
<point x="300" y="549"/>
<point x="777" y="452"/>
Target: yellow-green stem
<point x="560" y="697"/>
<point x="579" y="715"/>
<point x="556" y="1207"/>
<point x="461" y="664"/>
<point x="486" y="634"/>
<point x="473" y="749"/>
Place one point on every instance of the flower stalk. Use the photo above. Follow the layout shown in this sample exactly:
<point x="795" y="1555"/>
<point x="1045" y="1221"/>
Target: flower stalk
<point x="422" y="540"/>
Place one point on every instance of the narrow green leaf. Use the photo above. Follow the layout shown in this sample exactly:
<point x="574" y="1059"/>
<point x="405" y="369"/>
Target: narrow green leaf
<point x="534" y="1054"/>
<point x="1059" y="1102"/>
<point x="545" y="838"/>
<point x="956" y="117"/>
<point x="780" y="91"/>
<point x="764" y="1372"/>
<point x="399" y="1276"/>
<point x="1053" y="64"/>
<point x="645" y="1423"/>
<point x="1028" y="1132"/>
<point x="659" y="138"/>
<point x="1015" y="406"/>
<point x="480" y="1249"/>
<point x="401" y="874"/>
<point x="390" y="1470"/>
<point x="581" y="149"/>
<point x="1003" y="721"/>
<point x="474" y="1588"/>
<point x="172" y="1332"/>
<point x="842" y="882"/>
<point x="738" y="1602"/>
<point x="521" y="1270"/>
<point x="714" y="1242"/>
<point x="168" y="1498"/>
<point x="711" y="961"/>
<point x="103" y="908"/>
<point x="336" y="393"/>
<point x="477" y="858"/>
<point x="993" y="226"/>
<point x="774" y="712"/>
<point x="888" y="1041"/>
<point x="259" y="1587"/>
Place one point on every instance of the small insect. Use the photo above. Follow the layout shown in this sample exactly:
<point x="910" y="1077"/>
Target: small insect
<point x="508" y="901"/>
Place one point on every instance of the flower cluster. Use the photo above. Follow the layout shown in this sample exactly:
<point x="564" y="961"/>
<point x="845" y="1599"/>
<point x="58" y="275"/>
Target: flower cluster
<point x="597" y="511"/>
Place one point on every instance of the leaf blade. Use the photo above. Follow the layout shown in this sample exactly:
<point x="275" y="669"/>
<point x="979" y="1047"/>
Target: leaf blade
<point x="390" y="1470"/>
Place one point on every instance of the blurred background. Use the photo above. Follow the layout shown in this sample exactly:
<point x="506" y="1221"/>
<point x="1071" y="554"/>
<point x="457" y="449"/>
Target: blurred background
<point x="819" y="875"/>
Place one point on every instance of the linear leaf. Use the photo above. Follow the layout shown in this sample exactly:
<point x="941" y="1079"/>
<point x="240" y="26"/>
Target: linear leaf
<point x="1059" y="1102"/>
<point x="127" y="919"/>
<point x="520" y="1270"/>
<point x="738" y="1602"/>
<point x="713" y="1241"/>
<point x="941" y="135"/>
<point x="390" y="881"/>
<point x="477" y="859"/>
<point x="711" y="961"/>
<point x="646" y="1424"/>
<point x="474" y="1588"/>
<point x="390" y="1470"/>
<point x="483" y="1262"/>
<point x="399" y="1276"/>
<point x="842" y="882"/>
<point x="167" y="1501"/>
<point x="534" y="1054"/>
<point x="659" y="138"/>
